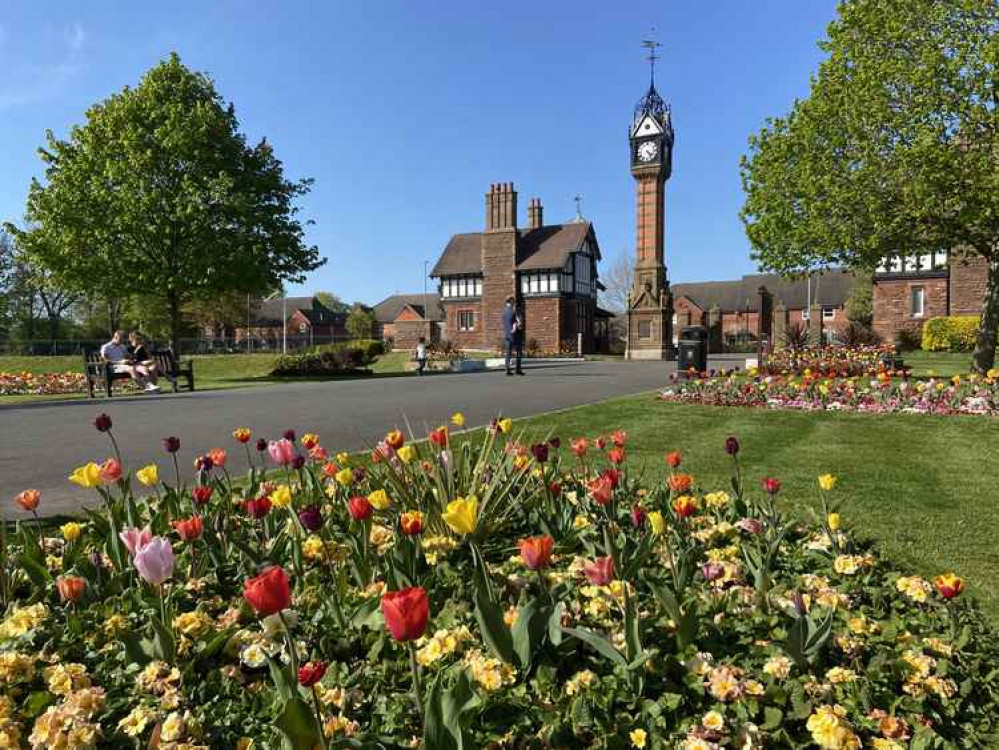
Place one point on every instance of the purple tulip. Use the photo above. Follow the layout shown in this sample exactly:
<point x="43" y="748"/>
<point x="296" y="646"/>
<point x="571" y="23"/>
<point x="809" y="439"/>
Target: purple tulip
<point x="298" y="462"/>
<point x="540" y="452"/>
<point x="261" y="445"/>
<point x="289" y="435"/>
<point x="712" y="571"/>
<point x="731" y="445"/>
<point x="171" y="444"/>
<point x="102" y="423"/>
<point x="155" y="561"/>
<point x="311" y="517"/>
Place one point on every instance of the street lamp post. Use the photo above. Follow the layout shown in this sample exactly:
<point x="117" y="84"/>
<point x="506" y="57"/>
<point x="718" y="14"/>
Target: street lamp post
<point x="426" y="305"/>
<point x="284" y="322"/>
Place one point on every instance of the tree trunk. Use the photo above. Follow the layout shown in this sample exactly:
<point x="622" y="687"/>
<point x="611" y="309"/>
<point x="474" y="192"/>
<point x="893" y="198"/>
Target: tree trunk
<point x="174" y="302"/>
<point x="53" y="329"/>
<point x="985" y="348"/>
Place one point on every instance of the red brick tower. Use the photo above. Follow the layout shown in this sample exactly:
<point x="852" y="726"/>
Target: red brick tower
<point x="650" y="313"/>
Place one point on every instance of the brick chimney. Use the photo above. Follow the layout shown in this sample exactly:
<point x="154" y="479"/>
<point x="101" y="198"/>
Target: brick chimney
<point x="535" y="214"/>
<point x="501" y="207"/>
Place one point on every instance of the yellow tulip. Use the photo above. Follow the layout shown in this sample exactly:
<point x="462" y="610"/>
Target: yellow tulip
<point x="343" y="459"/>
<point x="148" y="475"/>
<point x="992" y="373"/>
<point x="379" y="500"/>
<point x="406" y="453"/>
<point x="505" y="425"/>
<point x="87" y="476"/>
<point x="462" y="515"/>
<point x="833" y="521"/>
<point x="71" y="531"/>
<point x="657" y="522"/>
<point x="458" y="419"/>
<point x="345" y="477"/>
<point x="281" y="496"/>
<point x="827" y="481"/>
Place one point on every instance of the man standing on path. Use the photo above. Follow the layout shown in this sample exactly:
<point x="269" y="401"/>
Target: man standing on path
<point x="513" y="332"/>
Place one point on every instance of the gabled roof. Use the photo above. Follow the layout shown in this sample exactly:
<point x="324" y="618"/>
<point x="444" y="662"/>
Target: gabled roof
<point x="544" y="247"/>
<point x="830" y="288"/>
<point x="388" y="309"/>
<point x="270" y="311"/>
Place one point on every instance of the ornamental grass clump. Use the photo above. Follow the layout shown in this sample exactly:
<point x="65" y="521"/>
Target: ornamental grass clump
<point x="479" y="589"/>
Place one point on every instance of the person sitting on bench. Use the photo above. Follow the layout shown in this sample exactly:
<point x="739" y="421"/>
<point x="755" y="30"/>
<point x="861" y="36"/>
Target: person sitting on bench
<point x="142" y="360"/>
<point x="116" y="353"/>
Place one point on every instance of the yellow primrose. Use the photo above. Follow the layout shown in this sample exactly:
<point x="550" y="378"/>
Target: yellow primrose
<point x="458" y="419"/>
<point x="638" y="738"/>
<point x="657" y="522"/>
<point x="71" y="531"/>
<point x="87" y="476"/>
<point x="345" y="477"/>
<point x="462" y="514"/>
<point x="148" y="475"/>
<point x="379" y="499"/>
<point x="828" y="481"/>
<point x="406" y="453"/>
<point x="281" y="496"/>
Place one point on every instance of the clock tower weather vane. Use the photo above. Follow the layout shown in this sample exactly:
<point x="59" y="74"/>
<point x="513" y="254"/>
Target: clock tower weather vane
<point x="651" y="136"/>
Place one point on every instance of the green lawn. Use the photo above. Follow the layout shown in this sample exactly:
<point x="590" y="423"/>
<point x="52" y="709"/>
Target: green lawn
<point x="923" y="487"/>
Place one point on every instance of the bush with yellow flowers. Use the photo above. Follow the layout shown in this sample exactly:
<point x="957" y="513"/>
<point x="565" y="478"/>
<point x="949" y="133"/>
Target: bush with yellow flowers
<point x="473" y="590"/>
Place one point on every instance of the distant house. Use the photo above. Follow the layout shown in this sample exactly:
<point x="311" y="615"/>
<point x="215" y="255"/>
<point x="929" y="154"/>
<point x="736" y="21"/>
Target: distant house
<point x="733" y="307"/>
<point x="404" y="318"/>
<point x="304" y="320"/>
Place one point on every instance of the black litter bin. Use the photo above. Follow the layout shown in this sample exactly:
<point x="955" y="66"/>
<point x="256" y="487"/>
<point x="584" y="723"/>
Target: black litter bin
<point x="693" y="349"/>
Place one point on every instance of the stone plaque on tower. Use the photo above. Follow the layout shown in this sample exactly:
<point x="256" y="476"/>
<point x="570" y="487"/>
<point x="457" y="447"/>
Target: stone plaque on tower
<point x="650" y="307"/>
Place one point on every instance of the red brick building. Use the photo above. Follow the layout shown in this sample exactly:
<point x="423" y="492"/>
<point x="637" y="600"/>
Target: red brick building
<point x="300" y="319"/>
<point x="731" y="309"/>
<point x="404" y="318"/>
<point x="550" y="270"/>
<point x="910" y="289"/>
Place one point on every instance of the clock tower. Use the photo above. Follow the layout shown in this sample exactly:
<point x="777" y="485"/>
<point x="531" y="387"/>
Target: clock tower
<point x="650" y="306"/>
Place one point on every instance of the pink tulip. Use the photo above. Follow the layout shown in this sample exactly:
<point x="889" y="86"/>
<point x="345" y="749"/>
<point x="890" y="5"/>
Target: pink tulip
<point x="135" y="539"/>
<point x="282" y="451"/>
<point x="155" y="561"/>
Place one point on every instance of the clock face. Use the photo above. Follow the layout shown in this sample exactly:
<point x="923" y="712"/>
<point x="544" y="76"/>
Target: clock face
<point x="648" y="151"/>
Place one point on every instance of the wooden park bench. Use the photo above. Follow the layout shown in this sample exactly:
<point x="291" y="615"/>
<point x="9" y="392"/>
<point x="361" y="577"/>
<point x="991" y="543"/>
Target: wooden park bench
<point x="101" y="374"/>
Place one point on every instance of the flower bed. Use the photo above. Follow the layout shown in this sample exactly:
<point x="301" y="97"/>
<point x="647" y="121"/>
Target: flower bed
<point x="477" y="592"/>
<point x="835" y="361"/>
<point x="50" y="383"/>
<point x="882" y="394"/>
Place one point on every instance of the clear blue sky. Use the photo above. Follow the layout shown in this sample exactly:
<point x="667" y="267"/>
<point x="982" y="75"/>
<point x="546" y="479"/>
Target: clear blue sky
<point x="404" y="112"/>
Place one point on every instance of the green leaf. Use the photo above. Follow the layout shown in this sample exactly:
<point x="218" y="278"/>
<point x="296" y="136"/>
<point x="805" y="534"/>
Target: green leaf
<point x="599" y="643"/>
<point x="772" y="718"/>
<point x="297" y="725"/>
<point x="495" y="633"/>
<point x="529" y="630"/>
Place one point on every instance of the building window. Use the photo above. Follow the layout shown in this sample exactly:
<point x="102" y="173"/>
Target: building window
<point x="828" y="313"/>
<point x="645" y="329"/>
<point x="461" y="286"/>
<point x="917" y="301"/>
<point x="466" y="320"/>
<point x="804" y="313"/>
<point x="543" y="282"/>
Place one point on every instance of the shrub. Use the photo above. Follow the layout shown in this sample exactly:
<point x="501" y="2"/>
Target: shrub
<point x="369" y="348"/>
<point x="856" y="334"/>
<point x="796" y="336"/>
<point x="338" y="362"/>
<point x="907" y="339"/>
<point x="956" y="333"/>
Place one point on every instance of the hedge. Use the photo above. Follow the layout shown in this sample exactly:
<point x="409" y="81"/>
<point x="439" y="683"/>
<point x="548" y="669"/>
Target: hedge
<point x="956" y="333"/>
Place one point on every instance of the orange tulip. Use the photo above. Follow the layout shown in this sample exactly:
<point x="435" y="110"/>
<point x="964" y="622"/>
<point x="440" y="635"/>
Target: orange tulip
<point x="680" y="483"/>
<point x="242" y="434"/>
<point x="71" y="588"/>
<point x="411" y="522"/>
<point x="395" y="439"/>
<point x="189" y="529"/>
<point x="685" y="506"/>
<point x="673" y="459"/>
<point x="536" y="551"/>
<point x="218" y="456"/>
<point x="110" y="471"/>
<point x="28" y="500"/>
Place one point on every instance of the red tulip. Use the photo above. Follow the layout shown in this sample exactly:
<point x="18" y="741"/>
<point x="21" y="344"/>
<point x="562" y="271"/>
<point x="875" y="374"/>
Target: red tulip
<point x="616" y="456"/>
<point x="110" y="471"/>
<point x="613" y="476"/>
<point x="258" y="507"/>
<point x="395" y="439"/>
<point x="600" y="572"/>
<point x="406" y="613"/>
<point x="202" y="494"/>
<point x="28" y="500"/>
<point x="771" y="485"/>
<point x="638" y="516"/>
<point x="360" y="508"/>
<point x="439" y="437"/>
<point x="555" y="488"/>
<point x="618" y="437"/>
<point x="269" y="592"/>
<point x="71" y="588"/>
<point x="949" y="585"/>
<point x="536" y="552"/>
<point x="411" y="523"/>
<point x="579" y="447"/>
<point x="189" y="529"/>
<point x="601" y="490"/>
<point x="685" y="506"/>
<point x="311" y="673"/>
<point x="218" y="456"/>
<point x="673" y="459"/>
<point x="600" y="442"/>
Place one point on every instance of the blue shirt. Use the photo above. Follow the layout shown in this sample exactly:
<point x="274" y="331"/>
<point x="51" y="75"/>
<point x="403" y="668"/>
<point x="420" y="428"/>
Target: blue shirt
<point x="509" y="316"/>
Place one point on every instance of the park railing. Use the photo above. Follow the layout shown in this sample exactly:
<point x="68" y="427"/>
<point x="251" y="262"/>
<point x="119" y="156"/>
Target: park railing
<point x="188" y="346"/>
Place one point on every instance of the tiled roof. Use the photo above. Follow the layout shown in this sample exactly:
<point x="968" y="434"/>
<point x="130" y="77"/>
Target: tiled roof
<point x="829" y="288"/>
<point x="544" y="247"/>
<point x="388" y="309"/>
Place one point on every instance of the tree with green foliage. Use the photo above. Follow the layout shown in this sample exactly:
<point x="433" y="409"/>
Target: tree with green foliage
<point x="860" y="303"/>
<point x="159" y="194"/>
<point x="361" y="322"/>
<point x="895" y="150"/>
<point x="331" y="302"/>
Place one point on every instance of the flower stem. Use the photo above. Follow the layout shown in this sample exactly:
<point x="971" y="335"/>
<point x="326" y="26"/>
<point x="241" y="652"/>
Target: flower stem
<point x="417" y="689"/>
<point x="319" y="717"/>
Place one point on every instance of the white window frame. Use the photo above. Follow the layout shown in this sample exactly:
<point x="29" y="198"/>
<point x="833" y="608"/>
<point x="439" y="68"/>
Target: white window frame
<point x="828" y="313"/>
<point x="804" y="313"/>
<point x="913" y="312"/>
<point x="466" y="320"/>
